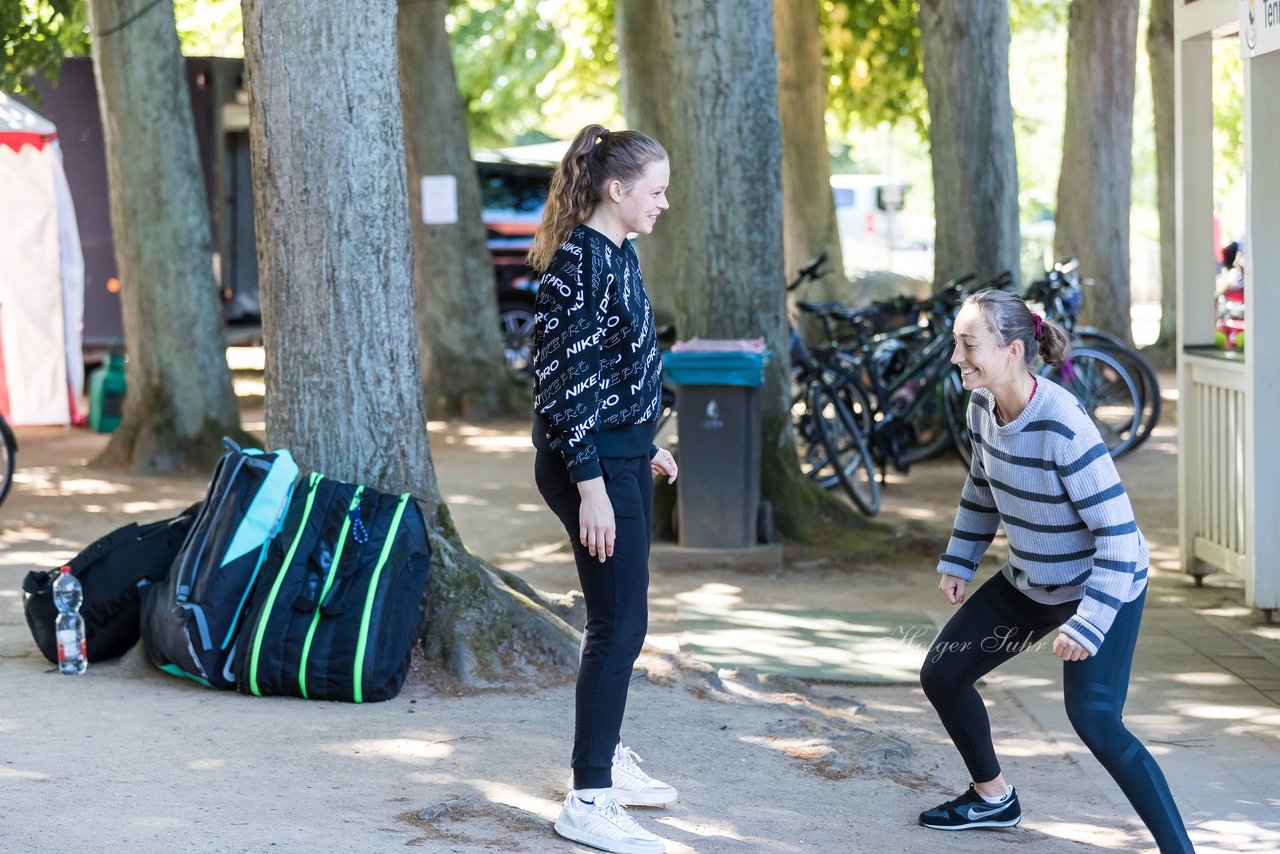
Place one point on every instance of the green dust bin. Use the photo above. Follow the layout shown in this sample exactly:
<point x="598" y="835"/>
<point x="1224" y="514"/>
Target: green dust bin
<point x="106" y="394"/>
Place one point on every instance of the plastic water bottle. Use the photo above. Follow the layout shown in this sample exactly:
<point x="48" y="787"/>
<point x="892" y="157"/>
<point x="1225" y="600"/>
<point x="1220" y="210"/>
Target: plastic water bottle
<point x="73" y="658"/>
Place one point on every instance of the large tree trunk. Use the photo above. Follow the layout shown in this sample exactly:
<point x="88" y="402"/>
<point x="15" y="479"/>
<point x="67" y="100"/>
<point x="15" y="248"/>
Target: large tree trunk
<point x="1160" y="47"/>
<point x="644" y="42"/>
<point x="724" y="229"/>
<point x="1097" y="156"/>
<point x="462" y="358"/>
<point x="965" y="44"/>
<point x="808" y="208"/>
<point x="338" y="303"/>
<point x="180" y="403"/>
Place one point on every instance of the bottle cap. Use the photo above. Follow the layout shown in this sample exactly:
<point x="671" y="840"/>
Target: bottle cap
<point x="64" y="570"/>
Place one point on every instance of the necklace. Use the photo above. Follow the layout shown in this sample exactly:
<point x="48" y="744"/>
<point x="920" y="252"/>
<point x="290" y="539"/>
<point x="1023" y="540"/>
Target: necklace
<point x="1000" y="415"/>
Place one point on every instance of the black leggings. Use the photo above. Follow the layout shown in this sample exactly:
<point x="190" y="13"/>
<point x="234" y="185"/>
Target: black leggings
<point x="999" y="621"/>
<point x="616" y="594"/>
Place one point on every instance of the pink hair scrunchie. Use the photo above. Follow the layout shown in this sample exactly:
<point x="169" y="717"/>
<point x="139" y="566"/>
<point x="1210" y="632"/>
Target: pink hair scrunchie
<point x="1039" y="325"/>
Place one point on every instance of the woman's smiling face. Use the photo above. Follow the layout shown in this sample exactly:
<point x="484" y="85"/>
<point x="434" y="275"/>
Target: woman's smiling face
<point x="982" y="360"/>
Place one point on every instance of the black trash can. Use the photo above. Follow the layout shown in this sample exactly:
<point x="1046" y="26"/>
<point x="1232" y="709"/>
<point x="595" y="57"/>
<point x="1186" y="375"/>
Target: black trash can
<point x="719" y="429"/>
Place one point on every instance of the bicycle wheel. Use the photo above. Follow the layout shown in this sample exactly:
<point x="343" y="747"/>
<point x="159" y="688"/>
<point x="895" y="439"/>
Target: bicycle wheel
<point x="844" y="373"/>
<point x="847" y="457"/>
<point x="930" y="433"/>
<point x="1108" y="393"/>
<point x="810" y="452"/>
<point x="8" y="458"/>
<point x="1141" y="371"/>
<point x="956" y="406"/>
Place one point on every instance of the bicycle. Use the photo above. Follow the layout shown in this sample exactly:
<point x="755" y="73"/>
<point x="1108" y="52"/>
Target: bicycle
<point x="830" y="444"/>
<point x="1060" y="293"/>
<point x="917" y="400"/>
<point x="830" y="416"/>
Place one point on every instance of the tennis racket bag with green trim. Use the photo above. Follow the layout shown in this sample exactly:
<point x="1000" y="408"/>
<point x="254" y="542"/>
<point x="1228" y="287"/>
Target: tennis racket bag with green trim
<point x="340" y="602"/>
<point x="190" y="619"/>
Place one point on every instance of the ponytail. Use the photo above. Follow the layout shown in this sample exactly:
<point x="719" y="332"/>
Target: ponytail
<point x="595" y="157"/>
<point x="1010" y="319"/>
<point x="1055" y="344"/>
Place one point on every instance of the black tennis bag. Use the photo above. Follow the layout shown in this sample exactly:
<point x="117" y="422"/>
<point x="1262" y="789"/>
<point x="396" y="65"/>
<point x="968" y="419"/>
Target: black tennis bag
<point x="340" y="603"/>
<point x="111" y="569"/>
<point x="191" y="618"/>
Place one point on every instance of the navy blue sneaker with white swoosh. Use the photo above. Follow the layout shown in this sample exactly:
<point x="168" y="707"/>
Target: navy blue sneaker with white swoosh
<point x="970" y="810"/>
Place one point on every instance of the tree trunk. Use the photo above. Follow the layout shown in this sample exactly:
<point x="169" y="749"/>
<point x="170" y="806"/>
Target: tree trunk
<point x="462" y="360"/>
<point x="965" y="44"/>
<point x="1097" y="156"/>
<point x="644" y="39"/>
<point x="1160" y="48"/>
<point x="338" y="304"/>
<point x="808" y="208"/>
<point x="180" y="402"/>
<point x="724" y="229"/>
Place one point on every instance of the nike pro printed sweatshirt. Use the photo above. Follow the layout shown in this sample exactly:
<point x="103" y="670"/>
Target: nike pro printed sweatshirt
<point x="1048" y="478"/>
<point x="597" y="372"/>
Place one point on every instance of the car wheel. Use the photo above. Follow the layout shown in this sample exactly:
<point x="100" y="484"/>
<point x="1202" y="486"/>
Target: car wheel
<point x="515" y="321"/>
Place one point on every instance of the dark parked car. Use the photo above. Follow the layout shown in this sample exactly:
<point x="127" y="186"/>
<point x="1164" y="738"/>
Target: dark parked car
<point x="512" y="195"/>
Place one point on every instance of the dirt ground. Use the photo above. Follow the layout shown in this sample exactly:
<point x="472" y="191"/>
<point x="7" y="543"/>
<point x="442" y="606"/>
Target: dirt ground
<point x="128" y="759"/>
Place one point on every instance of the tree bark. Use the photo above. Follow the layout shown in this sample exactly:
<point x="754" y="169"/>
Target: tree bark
<point x="724" y="229"/>
<point x="462" y="361"/>
<point x="644" y="38"/>
<point x="965" y="45"/>
<point x="180" y="402"/>
<point x="1097" y="156"/>
<point x="338" y="304"/>
<point x="808" y="208"/>
<point x="1160" y="47"/>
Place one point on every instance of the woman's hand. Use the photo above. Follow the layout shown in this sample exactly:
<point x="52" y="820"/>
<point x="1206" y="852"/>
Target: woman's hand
<point x="953" y="588"/>
<point x="1068" y="649"/>
<point x="596" y="528"/>
<point x="664" y="464"/>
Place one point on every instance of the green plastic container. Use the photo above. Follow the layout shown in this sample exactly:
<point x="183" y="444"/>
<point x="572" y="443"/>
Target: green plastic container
<point x="106" y="394"/>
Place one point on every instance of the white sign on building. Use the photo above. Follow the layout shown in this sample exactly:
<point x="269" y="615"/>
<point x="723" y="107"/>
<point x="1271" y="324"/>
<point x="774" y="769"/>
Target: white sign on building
<point x="1259" y="27"/>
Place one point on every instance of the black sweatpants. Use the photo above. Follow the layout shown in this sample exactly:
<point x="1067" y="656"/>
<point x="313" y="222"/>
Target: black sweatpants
<point x="999" y="621"/>
<point x="616" y="594"/>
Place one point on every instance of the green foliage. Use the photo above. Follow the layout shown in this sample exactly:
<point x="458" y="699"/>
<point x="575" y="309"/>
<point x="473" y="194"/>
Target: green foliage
<point x="1037" y="14"/>
<point x="872" y="58"/>
<point x="209" y="27"/>
<point x="36" y="34"/>
<point x="522" y="65"/>
<point x="1228" y="130"/>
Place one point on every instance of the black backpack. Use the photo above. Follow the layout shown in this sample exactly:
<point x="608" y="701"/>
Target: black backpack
<point x="190" y="619"/>
<point x="110" y="570"/>
<point x="340" y="603"/>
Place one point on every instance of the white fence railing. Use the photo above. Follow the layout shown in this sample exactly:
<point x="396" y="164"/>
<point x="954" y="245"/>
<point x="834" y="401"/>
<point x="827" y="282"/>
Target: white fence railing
<point x="1214" y="497"/>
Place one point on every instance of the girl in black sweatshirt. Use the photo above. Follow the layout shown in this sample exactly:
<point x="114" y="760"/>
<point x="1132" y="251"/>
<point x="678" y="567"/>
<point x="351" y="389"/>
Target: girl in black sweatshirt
<point x="597" y="386"/>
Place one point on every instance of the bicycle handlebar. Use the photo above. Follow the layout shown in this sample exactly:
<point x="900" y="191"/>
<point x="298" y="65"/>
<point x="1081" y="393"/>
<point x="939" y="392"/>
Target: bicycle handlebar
<point x="813" y="270"/>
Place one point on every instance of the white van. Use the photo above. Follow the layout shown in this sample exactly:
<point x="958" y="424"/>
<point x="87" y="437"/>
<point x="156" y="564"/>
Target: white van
<point x="874" y="232"/>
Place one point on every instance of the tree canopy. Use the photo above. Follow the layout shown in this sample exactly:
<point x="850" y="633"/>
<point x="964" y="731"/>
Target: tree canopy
<point x="36" y="35"/>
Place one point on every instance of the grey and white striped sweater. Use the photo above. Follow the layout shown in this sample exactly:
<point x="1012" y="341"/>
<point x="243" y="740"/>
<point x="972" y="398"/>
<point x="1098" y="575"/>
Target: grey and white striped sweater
<point x="1048" y="478"/>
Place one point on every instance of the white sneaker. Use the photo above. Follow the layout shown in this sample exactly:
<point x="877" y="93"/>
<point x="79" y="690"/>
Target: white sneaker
<point x="606" y="825"/>
<point x="636" y="788"/>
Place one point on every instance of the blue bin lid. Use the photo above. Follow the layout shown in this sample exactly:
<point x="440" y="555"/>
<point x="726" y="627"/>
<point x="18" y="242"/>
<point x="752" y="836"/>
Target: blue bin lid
<point x="733" y="367"/>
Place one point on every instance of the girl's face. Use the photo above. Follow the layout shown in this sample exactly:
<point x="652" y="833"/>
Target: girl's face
<point x="640" y="204"/>
<point x="983" y="362"/>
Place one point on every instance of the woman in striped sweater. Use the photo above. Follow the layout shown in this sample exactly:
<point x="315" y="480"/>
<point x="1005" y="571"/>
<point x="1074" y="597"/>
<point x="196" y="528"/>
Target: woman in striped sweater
<point x="1077" y="566"/>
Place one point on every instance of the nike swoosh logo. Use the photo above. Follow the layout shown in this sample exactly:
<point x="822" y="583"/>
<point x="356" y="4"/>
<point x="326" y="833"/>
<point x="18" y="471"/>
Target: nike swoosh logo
<point x="974" y="813"/>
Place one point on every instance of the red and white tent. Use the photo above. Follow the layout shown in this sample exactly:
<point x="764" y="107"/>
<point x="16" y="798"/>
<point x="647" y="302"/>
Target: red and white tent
<point x="41" y="275"/>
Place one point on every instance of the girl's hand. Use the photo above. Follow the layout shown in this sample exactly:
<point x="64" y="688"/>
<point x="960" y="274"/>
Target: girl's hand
<point x="664" y="464"/>
<point x="952" y="587"/>
<point x="596" y="527"/>
<point x="1066" y="648"/>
